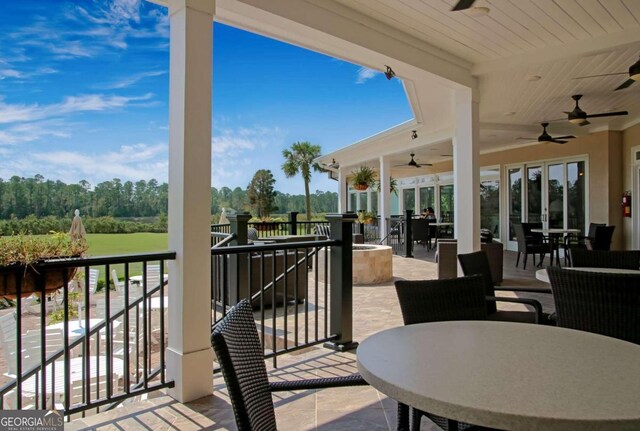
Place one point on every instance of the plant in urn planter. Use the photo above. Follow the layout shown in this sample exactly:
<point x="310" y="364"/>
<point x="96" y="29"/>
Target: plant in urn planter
<point x="363" y="178"/>
<point x="21" y="254"/>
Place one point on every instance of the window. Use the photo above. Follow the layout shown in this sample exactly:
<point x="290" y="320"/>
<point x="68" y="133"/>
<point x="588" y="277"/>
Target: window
<point x="427" y="197"/>
<point x="490" y="206"/>
<point x="446" y="203"/>
<point x="409" y="199"/>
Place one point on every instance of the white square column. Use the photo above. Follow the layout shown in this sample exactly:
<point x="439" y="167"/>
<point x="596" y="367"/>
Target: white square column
<point x="189" y="355"/>
<point x="385" y="194"/>
<point x="466" y="172"/>
<point x="343" y="191"/>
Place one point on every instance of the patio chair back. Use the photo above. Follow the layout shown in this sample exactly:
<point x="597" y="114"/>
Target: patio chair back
<point x="603" y="303"/>
<point x="420" y="230"/>
<point x="237" y="346"/>
<point x="31" y="349"/>
<point x="583" y="258"/>
<point x="94" y="274"/>
<point x="477" y="263"/>
<point x="424" y="301"/>
<point x="153" y="276"/>
<point x="592" y="229"/>
<point x="602" y="238"/>
<point x="521" y="238"/>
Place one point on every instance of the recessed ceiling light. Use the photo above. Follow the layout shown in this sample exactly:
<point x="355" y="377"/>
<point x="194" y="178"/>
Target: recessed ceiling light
<point x="509" y="113"/>
<point x="478" y="11"/>
<point x="532" y="78"/>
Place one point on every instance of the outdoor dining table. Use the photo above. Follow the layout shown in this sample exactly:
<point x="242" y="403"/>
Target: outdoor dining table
<point x="542" y="275"/>
<point x="511" y="376"/>
<point x="554" y="235"/>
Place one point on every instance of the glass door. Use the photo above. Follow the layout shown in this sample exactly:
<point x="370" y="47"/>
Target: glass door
<point x="514" y="204"/>
<point x="554" y="193"/>
<point x="555" y="196"/>
<point x="535" y="212"/>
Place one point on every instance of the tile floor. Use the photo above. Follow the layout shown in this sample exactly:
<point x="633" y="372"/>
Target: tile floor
<point x="358" y="408"/>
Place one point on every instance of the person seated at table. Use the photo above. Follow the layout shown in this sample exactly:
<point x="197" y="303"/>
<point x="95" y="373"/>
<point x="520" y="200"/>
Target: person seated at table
<point x="429" y="214"/>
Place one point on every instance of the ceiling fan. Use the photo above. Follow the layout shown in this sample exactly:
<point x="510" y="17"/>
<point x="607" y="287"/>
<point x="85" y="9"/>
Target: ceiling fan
<point x="546" y="138"/>
<point x="579" y="117"/>
<point x="415" y="164"/>
<point x="634" y="75"/>
<point x="463" y="4"/>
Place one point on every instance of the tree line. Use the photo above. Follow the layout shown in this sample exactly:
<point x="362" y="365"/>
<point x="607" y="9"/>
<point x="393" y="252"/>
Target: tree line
<point x="22" y="197"/>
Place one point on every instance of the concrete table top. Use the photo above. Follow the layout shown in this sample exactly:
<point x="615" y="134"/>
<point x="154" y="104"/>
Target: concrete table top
<point x="510" y="376"/>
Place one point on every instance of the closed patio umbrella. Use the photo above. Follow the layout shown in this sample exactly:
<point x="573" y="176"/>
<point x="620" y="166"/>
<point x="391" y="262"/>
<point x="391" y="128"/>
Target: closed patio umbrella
<point x="77" y="231"/>
<point x="223" y="217"/>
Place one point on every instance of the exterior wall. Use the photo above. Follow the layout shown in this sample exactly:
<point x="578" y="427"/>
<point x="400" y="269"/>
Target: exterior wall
<point x="630" y="139"/>
<point x="607" y="153"/>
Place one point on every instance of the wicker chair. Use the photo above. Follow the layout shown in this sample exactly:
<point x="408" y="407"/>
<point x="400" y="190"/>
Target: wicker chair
<point x="237" y="347"/>
<point x="530" y="244"/>
<point x="440" y="300"/>
<point x="603" y="303"/>
<point x="477" y="263"/>
<point x="572" y="241"/>
<point x="602" y="238"/>
<point x="583" y="258"/>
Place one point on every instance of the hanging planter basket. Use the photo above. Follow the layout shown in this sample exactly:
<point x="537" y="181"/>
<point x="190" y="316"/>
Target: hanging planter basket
<point x="361" y="187"/>
<point x="11" y="277"/>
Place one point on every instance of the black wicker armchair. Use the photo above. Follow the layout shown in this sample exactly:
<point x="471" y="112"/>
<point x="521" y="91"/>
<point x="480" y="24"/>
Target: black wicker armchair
<point x="477" y="263"/>
<point x="530" y="243"/>
<point x="434" y="301"/>
<point x="621" y="259"/>
<point x="603" y="303"/>
<point x="237" y="347"/>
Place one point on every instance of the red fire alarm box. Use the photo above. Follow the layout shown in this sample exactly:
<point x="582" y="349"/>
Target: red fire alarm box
<point x="626" y="204"/>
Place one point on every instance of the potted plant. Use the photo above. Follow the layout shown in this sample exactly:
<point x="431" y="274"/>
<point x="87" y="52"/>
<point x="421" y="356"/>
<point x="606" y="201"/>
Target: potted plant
<point x="393" y="186"/>
<point x="365" y="217"/>
<point x="20" y="255"/>
<point x="363" y="178"/>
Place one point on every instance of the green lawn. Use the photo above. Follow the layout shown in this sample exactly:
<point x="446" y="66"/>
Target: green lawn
<point x="103" y="244"/>
<point x="126" y="243"/>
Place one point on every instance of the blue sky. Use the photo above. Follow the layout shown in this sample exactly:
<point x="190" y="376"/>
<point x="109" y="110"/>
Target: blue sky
<point x="84" y="95"/>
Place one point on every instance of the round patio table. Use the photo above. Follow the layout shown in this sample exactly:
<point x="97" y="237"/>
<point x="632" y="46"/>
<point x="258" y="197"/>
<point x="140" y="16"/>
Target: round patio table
<point x="542" y="275"/>
<point x="554" y="235"/>
<point x="510" y="376"/>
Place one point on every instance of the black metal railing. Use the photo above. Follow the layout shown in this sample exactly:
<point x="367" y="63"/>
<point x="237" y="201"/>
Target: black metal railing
<point x="291" y="285"/>
<point x="288" y="284"/>
<point x="395" y="235"/>
<point x="94" y="337"/>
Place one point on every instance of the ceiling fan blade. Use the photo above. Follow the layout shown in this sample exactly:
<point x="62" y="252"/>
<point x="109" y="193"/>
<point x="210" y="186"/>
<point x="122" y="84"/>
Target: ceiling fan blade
<point x="403" y="164"/>
<point x="565" y="137"/>
<point x="608" y="114"/>
<point x="584" y="123"/>
<point x="528" y="139"/>
<point x="446" y="155"/>
<point x="423" y="165"/>
<point x="463" y="4"/>
<point x="604" y="74"/>
<point x="558" y="141"/>
<point x="624" y="85"/>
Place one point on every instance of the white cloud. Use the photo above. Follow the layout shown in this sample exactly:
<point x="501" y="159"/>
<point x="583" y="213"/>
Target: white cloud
<point x="364" y="74"/>
<point x="13" y="113"/>
<point x="234" y="152"/>
<point x="129" y="162"/>
<point x="29" y="132"/>
<point x="130" y="80"/>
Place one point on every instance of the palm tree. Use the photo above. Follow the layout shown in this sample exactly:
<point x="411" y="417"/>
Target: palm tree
<point x="299" y="159"/>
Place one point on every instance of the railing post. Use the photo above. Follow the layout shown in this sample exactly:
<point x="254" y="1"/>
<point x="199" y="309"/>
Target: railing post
<point x="238" y="274"/>
<point x="239" y="224"/>
<point x="341" y="303"/>
<point x="408" y="234"/>
<point x="293" y="223"/>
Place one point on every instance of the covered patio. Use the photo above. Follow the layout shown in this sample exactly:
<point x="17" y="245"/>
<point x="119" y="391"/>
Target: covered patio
<point x="477" y="81"/>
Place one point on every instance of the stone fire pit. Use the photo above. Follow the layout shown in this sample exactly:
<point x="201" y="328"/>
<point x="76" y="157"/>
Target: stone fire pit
<point x="372" y="264"/>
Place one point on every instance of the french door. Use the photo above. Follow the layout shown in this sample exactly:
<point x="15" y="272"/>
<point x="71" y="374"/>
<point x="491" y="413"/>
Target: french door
<point x="550" y="192"/>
